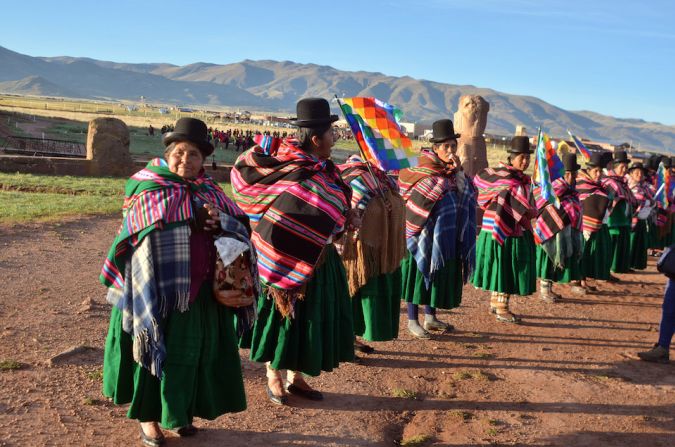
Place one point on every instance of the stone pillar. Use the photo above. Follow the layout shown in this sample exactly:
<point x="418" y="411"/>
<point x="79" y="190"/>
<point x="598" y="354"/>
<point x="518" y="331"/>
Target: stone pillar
<point x="470" y="121"/>
<point x="108" y="148"/>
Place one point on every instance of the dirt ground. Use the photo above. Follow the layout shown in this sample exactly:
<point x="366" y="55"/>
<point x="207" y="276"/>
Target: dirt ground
<point x="568" y="376"/>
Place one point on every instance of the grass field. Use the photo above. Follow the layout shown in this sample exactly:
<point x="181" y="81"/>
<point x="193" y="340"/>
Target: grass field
<point x="41" y="198"/>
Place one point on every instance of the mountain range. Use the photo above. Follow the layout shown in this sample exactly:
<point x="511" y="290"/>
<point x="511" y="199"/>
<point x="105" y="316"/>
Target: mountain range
<point x="275" y="86"/>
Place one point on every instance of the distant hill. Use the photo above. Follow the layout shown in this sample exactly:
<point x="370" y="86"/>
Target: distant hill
<point x="276" y="86"/>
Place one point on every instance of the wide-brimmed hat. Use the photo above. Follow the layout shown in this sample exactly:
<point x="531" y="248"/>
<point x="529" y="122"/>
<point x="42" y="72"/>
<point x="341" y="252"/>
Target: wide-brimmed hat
<point x="192" y="130"/>
<point x="520" y="145"/>
<point x="653" y="162"/>
<point x="599" y="159"/>
<point x="620" y="157"/>
<point x="570" y="162"/>
<point x="443" y="130"/>
<point x="637" y="165"/>
<point x="313" y="112"/>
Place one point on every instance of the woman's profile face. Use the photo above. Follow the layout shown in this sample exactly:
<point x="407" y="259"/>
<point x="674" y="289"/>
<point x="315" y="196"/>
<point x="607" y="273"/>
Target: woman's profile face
<point x="185" y="160"/>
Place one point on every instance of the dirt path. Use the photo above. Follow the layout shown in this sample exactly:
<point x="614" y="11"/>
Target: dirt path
<point x="568" y="376"/>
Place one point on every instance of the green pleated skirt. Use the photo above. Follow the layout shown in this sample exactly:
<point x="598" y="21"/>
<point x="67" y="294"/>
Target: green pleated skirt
<point x="202" y="371"/>
<point x="638" y="246"/>
<point x="620" y="243"/>
<point x="546" y="269"/>
<point x="653" y="240"/>
<point x="597" y="260"/>
<point x="377" y="308"/>
<point x="508" y="268"/>
<point x="321" y="334"/>
<point x="445" y="291"/>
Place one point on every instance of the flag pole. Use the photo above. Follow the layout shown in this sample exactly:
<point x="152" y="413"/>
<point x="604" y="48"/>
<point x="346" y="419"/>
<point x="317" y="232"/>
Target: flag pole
<point x="363" y="154"/>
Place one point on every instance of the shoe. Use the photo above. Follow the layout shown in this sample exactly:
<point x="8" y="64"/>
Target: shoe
<point x="186" y="431"/>
<point x="418" y="332"/>
<point x="278" y="400"/>
<point x="658" y="354"/>
<point x="150" y="441"/>
<point x="508" y="317"/>
<point x="436" y="325"/>
<point x="578" y="290"/>
<point x="613" y="278"/>
<point x="307" y="394"/>
<point x="364" y="348"/>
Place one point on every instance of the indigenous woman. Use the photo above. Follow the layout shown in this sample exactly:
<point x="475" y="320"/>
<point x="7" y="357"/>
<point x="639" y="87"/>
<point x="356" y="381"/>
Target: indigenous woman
<point x="298" y="206"/>
<point x="171" y="350"/>
<point x="505" y="252"/>
<point x="621" y="213"/>
<point x="558" y="233"/>
<point x="372" y="254"/>
<point x="440" y="231"/>
<point x="659" y="217"/>
<point x="597" y="259"/>
<point x="638" y="234"/>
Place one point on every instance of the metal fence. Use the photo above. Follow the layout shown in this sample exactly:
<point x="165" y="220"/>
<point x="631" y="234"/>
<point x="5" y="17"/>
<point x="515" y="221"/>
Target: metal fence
<point x="42" y="147"/>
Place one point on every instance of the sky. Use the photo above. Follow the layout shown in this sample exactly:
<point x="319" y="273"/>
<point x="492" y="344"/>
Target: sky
<point x="612" y="57"/>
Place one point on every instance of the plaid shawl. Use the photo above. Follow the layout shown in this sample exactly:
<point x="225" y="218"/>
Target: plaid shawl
<point x="505" y="194"/>
<point x="297" y="204"/>
<point x="155" y="197"/>
<point x="551" y="220"/>
<point x="440" y="216"/>
<point x="156" y="281"/>
<point x="594" y="200"/>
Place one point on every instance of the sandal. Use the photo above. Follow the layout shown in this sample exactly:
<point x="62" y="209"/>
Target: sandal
<point x="149" y="441"/>
<point x="507" y="317"/>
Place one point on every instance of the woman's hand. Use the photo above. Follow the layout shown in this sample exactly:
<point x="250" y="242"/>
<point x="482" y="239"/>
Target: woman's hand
<point x="213" y="222"/>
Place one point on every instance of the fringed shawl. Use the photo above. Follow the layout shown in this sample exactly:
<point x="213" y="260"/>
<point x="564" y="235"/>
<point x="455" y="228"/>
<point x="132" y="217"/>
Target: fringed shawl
<point x="297" y="204"/>
<point x="505" y="194"/>
<point x="378" y="247"/>
<point x="594" y="202"/>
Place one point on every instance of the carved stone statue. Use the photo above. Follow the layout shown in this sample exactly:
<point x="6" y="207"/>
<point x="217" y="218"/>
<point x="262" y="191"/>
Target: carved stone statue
<point x="470" y="122"/>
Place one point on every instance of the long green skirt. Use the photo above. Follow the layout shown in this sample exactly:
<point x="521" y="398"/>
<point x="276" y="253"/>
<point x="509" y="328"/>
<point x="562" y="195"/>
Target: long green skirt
<point x="653" y="240"/>
<point x="620" y="242"/>
<point x="507" y="269"/>
<point x="546" y="269"/>
<point x="377" y="308"/>
<point x="597" y="260"/>
<point x="320" y="335"/>
<point x="201" y="375"/>
<point x="638" y="246"/>
<point x="445" y="291"/>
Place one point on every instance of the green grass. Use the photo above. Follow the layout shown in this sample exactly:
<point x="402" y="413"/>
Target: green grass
<point x="9" y="365"/>
<point x="403" y="393"/>
<point x="63" y="184"/>
<point x="416" y="441"/>
<point x="29" y="197"/>
<point x="28" y="206"/>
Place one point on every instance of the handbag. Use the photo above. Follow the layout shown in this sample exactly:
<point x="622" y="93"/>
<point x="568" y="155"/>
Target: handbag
<point x="666" y="262"/>
<point x="233" y="284"/>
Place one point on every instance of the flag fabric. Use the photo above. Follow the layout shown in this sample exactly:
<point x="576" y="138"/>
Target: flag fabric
<point x="547" y="168"/>
<point x="376" y="128"/>
<point x="580" y="147"/>
<point x="268" y="143"/>
<point x="662" y="185"/>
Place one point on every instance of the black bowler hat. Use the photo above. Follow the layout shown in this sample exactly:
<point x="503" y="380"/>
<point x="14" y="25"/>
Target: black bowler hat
<point x="192" y="130"/>
<point x="667" y="161"/>
<point x="653" y="162"/>
<point x="637" y="165"/>
<point x="443" y="130"/>
<point x="570" y="162"/>
<point x="313" y="112"/>
<point x="620" y="157"/>
<point x="599" y="159"/>
<point x="520" y="145"/>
